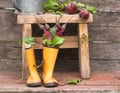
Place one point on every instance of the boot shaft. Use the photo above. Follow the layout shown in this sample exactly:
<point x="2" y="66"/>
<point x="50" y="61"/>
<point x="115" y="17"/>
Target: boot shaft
<point x="31" y="62"/>
<point x="49" y="57"/>
<point x="30" y="57"/>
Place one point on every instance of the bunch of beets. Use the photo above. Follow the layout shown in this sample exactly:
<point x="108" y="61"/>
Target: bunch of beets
<point x="72" y="8"/>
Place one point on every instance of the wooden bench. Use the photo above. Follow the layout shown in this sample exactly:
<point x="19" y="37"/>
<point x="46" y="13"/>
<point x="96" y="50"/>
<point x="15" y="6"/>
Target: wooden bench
<point x="81" y="41"/>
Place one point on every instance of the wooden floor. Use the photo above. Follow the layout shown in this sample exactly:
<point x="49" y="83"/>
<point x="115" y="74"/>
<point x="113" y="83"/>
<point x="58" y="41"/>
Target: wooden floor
<point x="107" y="81"/>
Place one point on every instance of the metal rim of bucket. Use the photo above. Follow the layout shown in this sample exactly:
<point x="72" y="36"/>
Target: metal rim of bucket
<point x="28" y="6"/>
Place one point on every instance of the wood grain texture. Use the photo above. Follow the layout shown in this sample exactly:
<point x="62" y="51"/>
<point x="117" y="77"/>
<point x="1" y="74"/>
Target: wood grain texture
<point x="6" y="3"/>
<point x="70" y="42"/>
<point x="106" y="19"/>
<point x="111" y="34"/>
<point x="100" y="82"/>
<point x="84" y="51"/>
<point x="51" y="18"/>
<point x="27" y="31"/>
<point x="105" y="51"/>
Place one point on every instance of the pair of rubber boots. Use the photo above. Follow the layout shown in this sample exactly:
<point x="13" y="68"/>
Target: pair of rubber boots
<point x="49" y="59"/>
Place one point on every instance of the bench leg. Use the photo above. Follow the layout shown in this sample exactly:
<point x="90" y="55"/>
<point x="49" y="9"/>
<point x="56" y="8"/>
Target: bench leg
<point x="27" y="31"/>
<point x="84" y="51"/>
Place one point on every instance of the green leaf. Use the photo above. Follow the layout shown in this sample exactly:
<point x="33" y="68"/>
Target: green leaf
<point x="53" y="31"/>
<point x="91" y="9"/>
<point x="80" y="5"/>
<point x="20" y="41"/>
<point x="75" y="81"/>
<point x="47" y="41"/>
<point x="65" y="3"/>
<point x="29" y="40"/>
<point x="58" y="13"/>
<point x="57" y="41"/>
<point x="52" y="5"/>
<point x="50" y="11"/>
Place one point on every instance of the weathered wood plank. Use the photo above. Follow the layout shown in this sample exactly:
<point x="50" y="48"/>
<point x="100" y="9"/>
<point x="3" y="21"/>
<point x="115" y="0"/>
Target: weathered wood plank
<point x="106" y="19"/>
<point x="84" y="51"/>
<point x="105" y="65"/>
<point x="9" y="64"/>
<point x="70" y="42"/>
<point x="7" y="18"/>
<point x="105" y="51"/>
<point x="111" y="34"/>
<point x="100" y="82"/>
<point x="51" y="18"/>
<point x="27" y="31"/>
<point x="10" y="32"/>
<point x="6" y="3"/>
<point x="9" y="50"/>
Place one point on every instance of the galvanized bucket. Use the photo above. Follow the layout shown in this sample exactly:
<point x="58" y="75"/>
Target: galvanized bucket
<point x="29" y="6"/>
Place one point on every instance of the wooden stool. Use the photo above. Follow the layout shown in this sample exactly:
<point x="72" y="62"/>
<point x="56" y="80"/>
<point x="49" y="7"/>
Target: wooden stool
<point x="81" y="41"/>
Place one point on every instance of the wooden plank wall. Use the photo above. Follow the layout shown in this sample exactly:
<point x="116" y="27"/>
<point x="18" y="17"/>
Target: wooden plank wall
<point x="105" y="31"/>
<point x="10" y="54"/>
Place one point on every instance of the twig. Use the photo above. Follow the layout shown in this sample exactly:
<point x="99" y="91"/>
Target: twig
<point x="57" y="21"/>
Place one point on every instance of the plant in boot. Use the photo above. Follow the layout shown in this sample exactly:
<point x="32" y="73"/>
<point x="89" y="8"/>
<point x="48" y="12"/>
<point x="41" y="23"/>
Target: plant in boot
<point x="52" y="36"/>
<point x="33" y="79"/>
<point x="52" y="39"/>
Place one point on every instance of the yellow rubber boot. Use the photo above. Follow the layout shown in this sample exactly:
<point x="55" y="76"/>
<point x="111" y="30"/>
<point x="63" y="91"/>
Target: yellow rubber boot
<point x="49" y="58"/>
<point x="34" y="78"/>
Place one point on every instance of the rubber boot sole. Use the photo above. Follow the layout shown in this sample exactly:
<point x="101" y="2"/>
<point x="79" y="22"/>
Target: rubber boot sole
<point x="50" y="85"/>
<point x="34" y="84"/>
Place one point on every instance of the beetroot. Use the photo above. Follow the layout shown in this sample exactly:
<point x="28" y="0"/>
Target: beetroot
<point x="47" y="33"/>
<point x="71" y="8"/>
<point x="84" y="14"/>
<point x="59" y="30"/>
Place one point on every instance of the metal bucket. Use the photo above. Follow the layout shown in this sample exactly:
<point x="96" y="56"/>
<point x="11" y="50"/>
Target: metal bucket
<point x="29" y="6"/>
